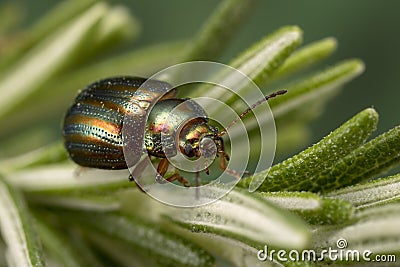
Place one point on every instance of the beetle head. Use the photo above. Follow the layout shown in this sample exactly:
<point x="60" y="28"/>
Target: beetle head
<point x="198" y="139"/>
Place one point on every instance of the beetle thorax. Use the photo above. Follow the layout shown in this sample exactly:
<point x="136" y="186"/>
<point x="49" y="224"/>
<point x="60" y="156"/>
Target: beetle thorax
<point x="172" y="123"/>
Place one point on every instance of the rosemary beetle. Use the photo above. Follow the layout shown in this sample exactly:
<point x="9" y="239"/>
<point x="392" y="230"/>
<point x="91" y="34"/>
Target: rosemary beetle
<point x="92" y="128"/>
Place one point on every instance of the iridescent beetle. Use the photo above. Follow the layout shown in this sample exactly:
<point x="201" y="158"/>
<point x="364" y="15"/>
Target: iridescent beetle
<point x="93" y="125"/>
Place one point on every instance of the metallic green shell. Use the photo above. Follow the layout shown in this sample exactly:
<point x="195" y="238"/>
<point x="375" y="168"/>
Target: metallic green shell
<point x="166" y="118"/>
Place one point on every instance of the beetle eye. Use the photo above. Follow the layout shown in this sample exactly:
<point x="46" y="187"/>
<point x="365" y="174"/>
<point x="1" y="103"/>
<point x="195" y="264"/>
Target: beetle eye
<point x="189" y="150"/>
<point x="208" y="148"/>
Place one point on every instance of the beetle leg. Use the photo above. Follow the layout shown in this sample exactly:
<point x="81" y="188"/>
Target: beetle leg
<point x="178" y="178"/>
<point x="223" y="157"/>
<point x="197" y="181"/>
<point x="222" y="164"/>
<point x="226" y="157"/>
<point x="162" y="167"/>
<point x="162" y="170"/>
<point x="222" y="160"/>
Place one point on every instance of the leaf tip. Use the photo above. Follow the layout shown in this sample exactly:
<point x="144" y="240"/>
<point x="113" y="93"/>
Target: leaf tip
<point x="330" y="42"/>
<point x="295" y="30"/>
<point x="372" y="115"/>
<point x="358" y="66"/>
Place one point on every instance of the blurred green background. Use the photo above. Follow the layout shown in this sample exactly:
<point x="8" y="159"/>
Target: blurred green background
<point x="366" y="29"/>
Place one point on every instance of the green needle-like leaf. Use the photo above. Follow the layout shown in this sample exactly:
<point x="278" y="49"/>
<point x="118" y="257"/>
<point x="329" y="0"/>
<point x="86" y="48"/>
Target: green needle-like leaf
<point x="258" y="63"/>
<point x="17" y="229"/>
<point x="59" y="15"/>
<point x="305" y="98"/>
<point x="115" y="27"/>
<point x="373" y="193"/>
<point x="260" y="222"/>
<point x="263" y="58"/>
<point x="63" y="186"/>
<point x="299" y="172"/>
<point x="313" y="208"/>
<point x="158" y="245"/>
<point x="376" y="230"/>
<point x="68" y="179"/>
<point x="53" y="153"/>
<point x="371" y="159"/>
<point x="46" y="59"/>
<point x="316" y="88"/>
<point x="304" y="57"/>
<point x="218" y="30"/>
<point x="63" y="13"/>
<point x="61" y="250"/>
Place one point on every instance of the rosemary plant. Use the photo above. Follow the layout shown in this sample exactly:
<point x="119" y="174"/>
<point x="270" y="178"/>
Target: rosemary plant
<point x="50" y="216"/>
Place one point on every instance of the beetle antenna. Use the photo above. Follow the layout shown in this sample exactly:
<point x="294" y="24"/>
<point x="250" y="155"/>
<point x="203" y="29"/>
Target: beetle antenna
<point x="244" y="113"/>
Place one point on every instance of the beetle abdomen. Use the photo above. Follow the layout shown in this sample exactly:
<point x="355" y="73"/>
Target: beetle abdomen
<point x="93" y="125"/>
<point x="93" y="136"/>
